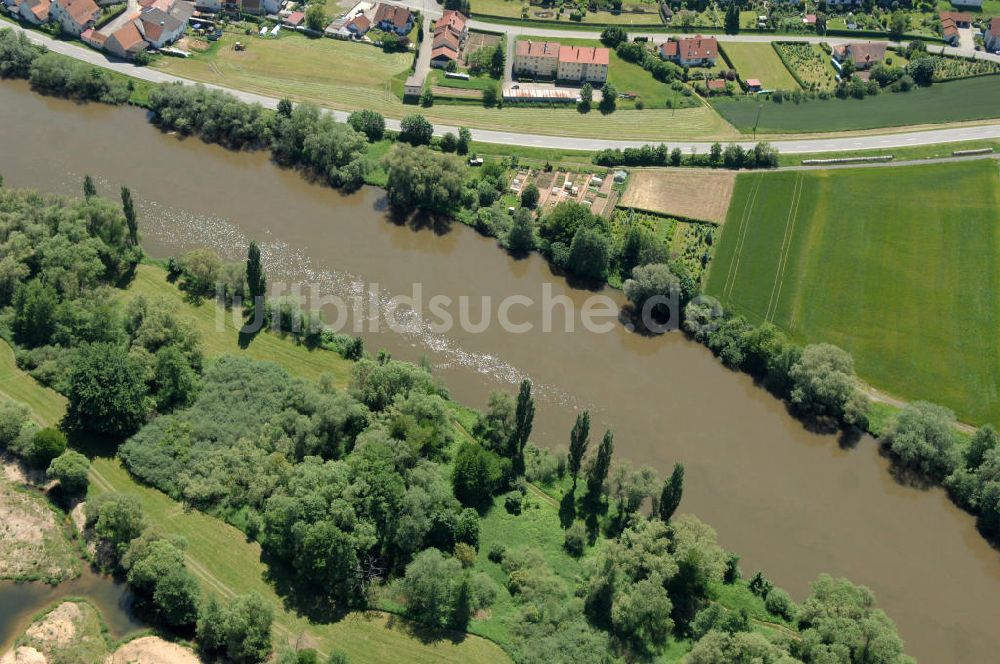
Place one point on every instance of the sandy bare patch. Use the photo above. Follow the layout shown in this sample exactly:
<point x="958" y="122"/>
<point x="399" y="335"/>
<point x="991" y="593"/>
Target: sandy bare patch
<point x="58" y="628"/>
<point x="152" y="650"/>
<point x="689" y="193"/>
<point x="79" y="516"/>
<point x="32" y="542"/>
<point x="23" y="655"/>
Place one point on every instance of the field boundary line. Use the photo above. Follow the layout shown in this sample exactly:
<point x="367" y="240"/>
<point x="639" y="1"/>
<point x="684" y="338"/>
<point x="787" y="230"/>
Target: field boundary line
<point x="742" y="229"/>
<point x="786" y="243"/>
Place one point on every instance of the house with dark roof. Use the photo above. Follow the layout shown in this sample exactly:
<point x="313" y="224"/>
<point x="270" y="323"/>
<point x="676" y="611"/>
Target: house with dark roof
<point x="75" y="16"/>
<point x="694" y="51"/>
<point x="393" y="19"/>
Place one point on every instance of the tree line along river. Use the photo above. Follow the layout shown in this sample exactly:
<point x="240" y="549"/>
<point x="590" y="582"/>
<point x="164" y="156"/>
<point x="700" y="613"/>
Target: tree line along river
<point x="789" y="501"/>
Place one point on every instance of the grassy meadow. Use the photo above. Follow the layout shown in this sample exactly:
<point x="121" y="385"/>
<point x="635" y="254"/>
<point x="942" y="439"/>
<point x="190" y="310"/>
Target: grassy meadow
<point x="900" y="266"/>
<point x="952" y="101"/>
<point x="759" y="60"/>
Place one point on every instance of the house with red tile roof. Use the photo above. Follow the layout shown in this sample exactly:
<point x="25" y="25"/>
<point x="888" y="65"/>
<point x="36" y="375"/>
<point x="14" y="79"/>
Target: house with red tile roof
<point x="359" y="25"/>
<point x="75" y="16"/>
<point x="949" y="30"/>
<point x="126" y="42"/>
<point x="94" y="38"/>
<point x="449" y="35"/>
<point x="583" y="63"/>
<point x="35" y="11"/>
<point x="393" y="19"/>
<point x="862" y="55"/>
<point x="295" y="19"/>
<point x="537" y="59"/>
<point x="694" y="51"/>
<point x="991" y="37"/>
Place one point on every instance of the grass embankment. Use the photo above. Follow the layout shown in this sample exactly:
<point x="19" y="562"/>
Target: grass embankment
<point x="511" y="9"/>
<point x="900" y="266"/>
<point x="218" y="554"/>
<point x="759" y="60"/>
<point x="920" y="152"/>
<point x="350" y="76"/>
<point x="952" y="101"/>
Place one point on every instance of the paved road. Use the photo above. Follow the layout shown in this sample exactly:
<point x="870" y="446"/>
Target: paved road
<point x="798" y="146"/>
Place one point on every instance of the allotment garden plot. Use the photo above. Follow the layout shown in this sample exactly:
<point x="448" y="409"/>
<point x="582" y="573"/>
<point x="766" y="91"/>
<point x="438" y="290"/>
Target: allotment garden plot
<point x="900" y="266"/>
<point x="702" y="195"/>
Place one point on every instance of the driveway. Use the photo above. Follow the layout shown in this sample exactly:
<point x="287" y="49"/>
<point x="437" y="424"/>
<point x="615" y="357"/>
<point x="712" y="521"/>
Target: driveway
<point x="508" y="65"/>
<point x="796" y="146"/>
<point x="423" y="66"/>
<point x="130" y="13"/>
<point x="967" y="39"/>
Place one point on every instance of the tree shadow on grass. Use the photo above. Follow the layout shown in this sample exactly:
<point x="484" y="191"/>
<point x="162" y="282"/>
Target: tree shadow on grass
<point x="297" y="597"/>
<point x="423" y="633"/>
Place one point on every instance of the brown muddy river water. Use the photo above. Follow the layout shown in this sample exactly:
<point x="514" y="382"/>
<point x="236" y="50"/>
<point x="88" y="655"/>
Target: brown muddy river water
<point x="790" y="502"/>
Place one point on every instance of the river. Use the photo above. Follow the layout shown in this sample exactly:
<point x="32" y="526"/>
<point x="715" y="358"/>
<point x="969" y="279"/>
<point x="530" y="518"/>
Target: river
<point x="21" y="602"/>
<point x="790" y="502"/>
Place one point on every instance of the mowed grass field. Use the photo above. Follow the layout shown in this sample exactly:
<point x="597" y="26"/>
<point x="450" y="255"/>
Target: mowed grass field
<point x="349" y="76"/>
<point x="952" y="101"/>
<point x="759" y="61"/>
<point x="900" y="266"/>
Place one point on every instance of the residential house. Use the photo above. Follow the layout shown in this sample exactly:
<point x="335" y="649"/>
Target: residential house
<point x="94" y="38"/>
<point x="158" y="27"/>
<point x="253" y="7"/>
<point x="35" y="11"/>
<point x="536" y="59"/>
<point x="126" y="42"/>
<point x="13" y="6"/>
<point x="449" y="35"/>
<point x="753" y="85"/>
<point x="583" y="63"/>
<point x="991" y="38"/>
<point x="810" y="20"/>
<point x="694" y="51"/>
<point x="391" y="18"/>
<point x="951" y="22"/>
<point x="272" y="7"/>
<point x="295" y="19"/>
<point x="359" y="25"/>
<point x="949" y="30"/>
<point x="862" y="55"/>
<point x="75" y="16"/>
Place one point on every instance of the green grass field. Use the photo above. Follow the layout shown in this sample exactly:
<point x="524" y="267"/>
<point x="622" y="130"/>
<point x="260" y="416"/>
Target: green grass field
<point x="953" y="101"/>
<point x="900" y="266"/>
<point x="759" y="61"/>
<point x="350" y="76"/>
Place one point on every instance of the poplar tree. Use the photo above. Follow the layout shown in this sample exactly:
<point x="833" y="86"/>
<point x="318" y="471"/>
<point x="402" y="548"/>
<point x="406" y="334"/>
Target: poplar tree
<point x="670" y="495"/>
<point x="598" y="473"/>
<point x="524" y="416"/>
<point x="128" y="208"/>
<point x="89" y="188"/>
<point x="256" y="279"/>
<point x="579" y="438"/>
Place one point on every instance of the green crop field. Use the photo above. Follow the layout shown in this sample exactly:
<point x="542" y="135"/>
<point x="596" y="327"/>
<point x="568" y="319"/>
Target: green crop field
<point x="900" y="266"/>
<point x="753" y="60"/>
<point x="953" y="101"/>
